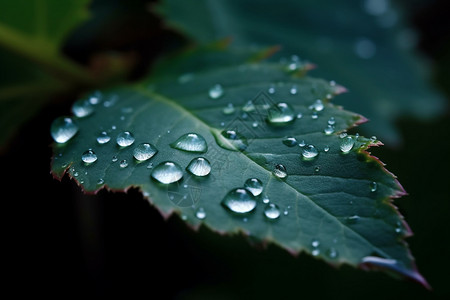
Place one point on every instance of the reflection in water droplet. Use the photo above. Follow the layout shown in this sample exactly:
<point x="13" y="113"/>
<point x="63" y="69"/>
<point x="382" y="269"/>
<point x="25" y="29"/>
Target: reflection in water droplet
<point x="89" y="156"/>
<point x="125" y="139"/>
<point x="254" y="185"/>
<point x="200" y="213"/>
<point x="373" y="186"/>
<point x="239" y="201"/>
<point x="347" y="143"/>
<point x="281" y="114"/>
<point x="63" y="129"/>
<point x="167" y="172"/>
<point x="309" y="152"/>
<point x="199" y="166"/>
<point x="191" y="142"/>
<point x="216" y="91"/>
<point x="290" y="141"/>
<point x="280" y="171"/>
<point x="144" y="151"/>
<point x="272" y="211"/>
<point x="103" y="138"/>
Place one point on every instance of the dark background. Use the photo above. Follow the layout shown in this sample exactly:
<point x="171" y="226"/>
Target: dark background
<point x="60" y="242"/>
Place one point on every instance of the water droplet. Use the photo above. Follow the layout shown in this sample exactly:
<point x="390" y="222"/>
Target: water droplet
<point x="352" y="219"/>
<point x="185" y="78"/>
<point x="114" y="158"/>
<point x="280" y="171"/>
<point x="216" y="91"/>
<point x="314" y="115"/>
<point x="329" y="129"/>
<point x="317" y="105"/>
<point x="299" y="115"/>
<point x="239" y="201"/>
<point x="103" y="138"/>
<point x="100" y="181"/>
<point x="123" y="163"/>
<point x="199" y="166"/>
<point x="309" y="152"/>
<point x="191" y="142"/>
<point x="200" y="213"/>
<point x="347" y="144"/>
<point x="144" y="151"/>
<point x="63" y="129"/>
<point x="315" y="243"/>
<point x="293" y="90"/>
<point x="254" y="185"/>
<point x="326" y="148"/>
<point x="302" y="143"/>
<point x="281" y="114"/>
<point x="229" y="109"/>
<point x="234" y="140"/>
<point x="82" y="108"/>
<point x="272" y="211"/>
<point x="332" y="253"/>
<point x="290" y="141"/>
<point x="125" y="139"/>
<point x="378" y="261"/>
<point x="373" y="186"/>
<point x="315" y="252"/>
<point x="317" y="169"/>
<point x="89" y="156"/>
<point x="249" y="106"/>
<point x="271" y="89"/>
<point x="265" y="199"/>
<point x="331" y="121"/>
<point x="167" y="172"/>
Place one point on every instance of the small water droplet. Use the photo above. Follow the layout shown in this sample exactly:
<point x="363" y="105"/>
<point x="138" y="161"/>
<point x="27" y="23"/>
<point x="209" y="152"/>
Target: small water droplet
<point x="299" y="115"/>
<point x="309" y="152"/>
<point x="293" y="90"/>
<point x="329" y="129"/>
<point x="290" y="141"/>
<point x="331" y="121"/>
<point x="265" y="199"/>
<point x="82" y="108"/>
<point x="343" y="135"/>
<point x="89" y="156"/>
<point x="123" y="163"/>
<point x="272" y="211"/>
<point x="302" y="143"/>
<point x="199" y="166"/>
<point x="125" y="139"/>
<point x="144" y="151"/>
<point x="254" y="185"/>
<point x="373" y="186"/>
<point x="234" y="141"/>
<point x="315" y="243"/>
<point x="114" y="158"/>
<point x="100" y="181"/>
<point x="103" y="138"/>
<point x="317" y="169"/>
<point x="216" y="91"/>
<point x="378" y="261"/>
<point x="200" y="213"/>
<point x="326" y="148"/>
<point x="249" y="106"/>
<point x="281" y="114"/>
<point x="167" y="172"/>
<point x="191" y="142"/>
<point x="347" y="144"/>
<point x="352" y="219"/>
<point x="317" y="105"/>
<point x="315" y="252"/>
<point x="332" y="253"/>
<point x="229" y="109"/>
<point x="280" y="171"/>
<point x="63" y="129"/>
<point x="271" y="89"/>
<point x="239" y="201"/>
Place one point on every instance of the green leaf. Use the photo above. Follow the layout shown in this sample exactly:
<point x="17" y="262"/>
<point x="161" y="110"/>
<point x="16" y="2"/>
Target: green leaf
<point x="332" y="204"/>
<point x="33" y="69"/>
<point x="367" y="50"/>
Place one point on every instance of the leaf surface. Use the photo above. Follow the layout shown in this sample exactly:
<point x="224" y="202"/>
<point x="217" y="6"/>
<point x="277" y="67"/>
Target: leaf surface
<point x="335" y="205"/>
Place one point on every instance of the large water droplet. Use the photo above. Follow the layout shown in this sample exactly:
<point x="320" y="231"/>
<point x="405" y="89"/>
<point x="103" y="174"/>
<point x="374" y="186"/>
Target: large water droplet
<point x="280" y="171"/>
<point x="82" y="108"/>
<point x="309" y="152"/>
<point x="191" y="142"/>
<point x="254" y="185"/>
<point x="272" y="211"/>
<point x="281" y="114"/>
<point x="199" y="166"/>
<point x="347" y="143"/>
<point x="239" y="201"/>
<point x="167" y="172"/>
<point x="144" y="151"/>
<point x="216" y="91"/>
<point x="125" y="139"/>
<point x="89" y="156"/>
<point x="63" y="129"/>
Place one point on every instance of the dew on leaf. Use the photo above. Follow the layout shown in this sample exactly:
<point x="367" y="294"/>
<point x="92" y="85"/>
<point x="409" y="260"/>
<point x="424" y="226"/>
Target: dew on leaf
<point x="167" y="172"/>
<point x="125" y="139"/>
<point x="63" y="129"/>
<point x="191" y="142"/>
<point x="280" y="171"/>
<point x="233" y="140"/>
<point x="89" y="156"/>
<point x="329" y="130"/>
<point x="332" y="253"/>
<point x="199" y="166"/>
<point x="229" y="109"/>
<point x="254" y="186"/>
<point x="103" y="138"/>
<point x="144" y="151"/>
<point x="281" y="114"/>
<point x="331" y="121"/>
<point x="249" y="106"/>
<point x="309" y="152"/>
<point x="347" y="144"/>
<point x="82" y="108"/>
<point x="373" y="186"/>
<point x="216" y="91"/>
<point x="272" y="211"/>
<point x="123" y="163"/>
<point x="239" y="201"/>
<point x="290" y="141"/>
<point x="200" y="213"/>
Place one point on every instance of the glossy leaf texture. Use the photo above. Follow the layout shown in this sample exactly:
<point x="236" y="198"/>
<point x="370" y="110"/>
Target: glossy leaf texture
<point x="244" y="147"/>
<point x="365" y="45"/>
